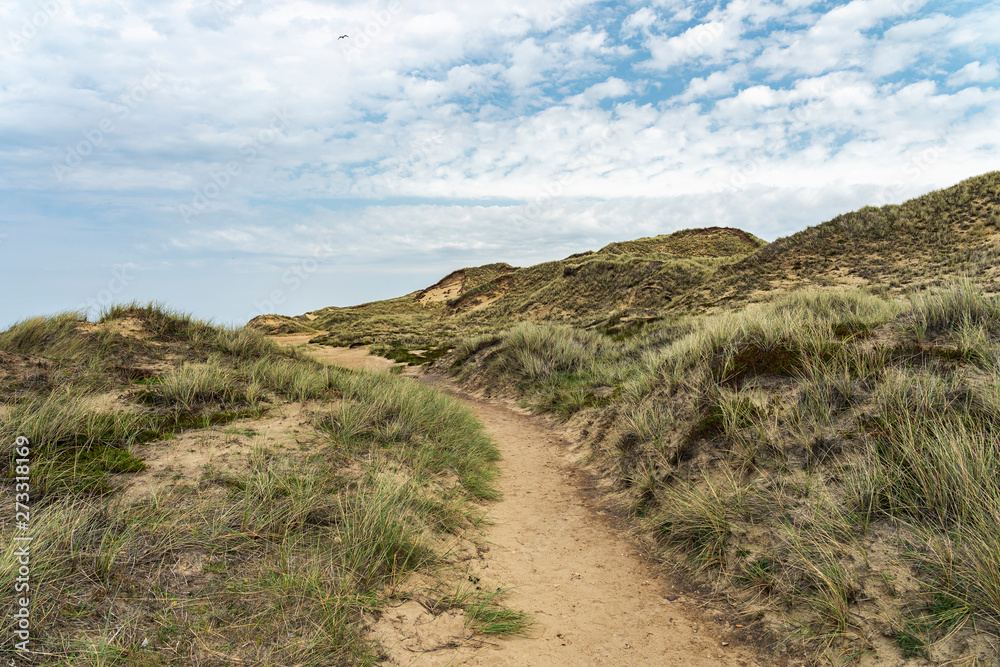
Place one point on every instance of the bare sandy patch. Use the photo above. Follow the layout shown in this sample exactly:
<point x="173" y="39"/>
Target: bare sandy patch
<point x="487" y="301"/>
<point x="126" y="326"/>
<point x="186" y="459"/>
<point x="352" y="357"/>
<point x="450" y="287"/>
<point x="410" y="630"/>
<point x="294" y="340"/>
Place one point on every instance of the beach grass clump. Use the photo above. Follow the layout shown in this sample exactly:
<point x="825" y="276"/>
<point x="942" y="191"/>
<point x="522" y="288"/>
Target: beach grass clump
<point x="44" y="334"/>
<point x="961" y="304"/>
<point x="435" y="434"/>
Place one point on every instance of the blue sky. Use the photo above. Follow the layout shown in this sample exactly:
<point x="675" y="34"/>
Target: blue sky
<point x="233" y="157"/>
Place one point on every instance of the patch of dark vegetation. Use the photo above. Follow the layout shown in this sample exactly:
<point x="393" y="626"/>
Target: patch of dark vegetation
<point x="618" y="329"/>
<point x="709" y="425"/>
<point x="82" y="470"/>
<point x="176" y="422"/>
<point x="77" y="449"/>
<point x="138" y="375"/>
<point x="566" y="395"/>
<point x="910" y="353"/>
<point x="928" y="623"/>
<point x="751" y="359"/>
<point x="335" y="341"/>
<point x="852" y="329"/>
<point x="400" y="353"/>
<point x="823" y="449"/>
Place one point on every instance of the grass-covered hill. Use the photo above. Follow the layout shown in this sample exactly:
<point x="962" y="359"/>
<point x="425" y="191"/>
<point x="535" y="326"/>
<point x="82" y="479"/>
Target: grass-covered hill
<point x="636" y="275"/>
<point x="704" y="242"/>
<point x="829" y="462"/>
<point x="895" y="248"/>
<point x="892" y="250"/>
<point x="625" y="281"/>
<point x="199" y="496"/>
<point x="280" y="324"/>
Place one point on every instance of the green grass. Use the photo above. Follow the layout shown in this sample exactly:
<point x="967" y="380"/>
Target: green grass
<point x="696" y="517"/>
<point x="898" y="249"/>
<point x="434" y="433"/>
<point x="485" y="611"/>
<point x="196" y="384"/>
<point x="627" y="286"/>
<point x="613" y="290"/>
<point x="41" y="333"/>
<point x="291" y="547"/>
<point x="928" y="623"/>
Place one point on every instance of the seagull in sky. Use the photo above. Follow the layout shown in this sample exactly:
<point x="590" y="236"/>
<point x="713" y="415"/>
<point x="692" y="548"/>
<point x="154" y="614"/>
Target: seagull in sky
<point x="343" y="36"/>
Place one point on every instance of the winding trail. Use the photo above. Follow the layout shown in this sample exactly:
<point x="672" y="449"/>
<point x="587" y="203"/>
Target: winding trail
<point x="595" y="598"/>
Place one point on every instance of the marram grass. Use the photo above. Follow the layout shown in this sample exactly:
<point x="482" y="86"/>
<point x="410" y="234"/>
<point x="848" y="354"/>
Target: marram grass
<point x="274" y="560"/>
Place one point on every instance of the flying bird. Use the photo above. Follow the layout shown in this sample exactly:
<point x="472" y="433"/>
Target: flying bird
<point x="343" y="36"/>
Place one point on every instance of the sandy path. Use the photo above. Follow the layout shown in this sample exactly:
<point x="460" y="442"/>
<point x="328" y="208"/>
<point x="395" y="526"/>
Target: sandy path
<point x="348" y="357"/>
<point x="596" y="600"/>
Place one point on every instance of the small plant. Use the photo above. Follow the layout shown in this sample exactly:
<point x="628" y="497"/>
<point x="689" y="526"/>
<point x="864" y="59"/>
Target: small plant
<point x="485" y="612"/>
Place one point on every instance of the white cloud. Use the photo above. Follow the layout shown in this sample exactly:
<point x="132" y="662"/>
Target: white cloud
<point x="905" y="44"/>
<point x="611" y="88"/>
<point x="974" y="72"/>
<point x="836" y="40"/>
<point x="705" y="41"/>
<point x="641" y="20"/>
<point x="528" y="63"/>
<point x="719" y="82"/>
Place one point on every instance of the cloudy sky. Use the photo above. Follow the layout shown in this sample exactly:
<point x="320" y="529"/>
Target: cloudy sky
<point x="232" y="157"/>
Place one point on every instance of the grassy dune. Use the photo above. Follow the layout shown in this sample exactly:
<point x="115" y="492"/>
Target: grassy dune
<point x="829" y="461"/>
<point x="629" y="281"/>
<point x="893" y="249"/>
<point x="274" y="562"/>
